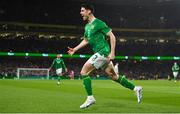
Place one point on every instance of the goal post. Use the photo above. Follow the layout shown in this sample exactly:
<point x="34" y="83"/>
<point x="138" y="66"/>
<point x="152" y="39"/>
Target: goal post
<point x="30" y="73"/>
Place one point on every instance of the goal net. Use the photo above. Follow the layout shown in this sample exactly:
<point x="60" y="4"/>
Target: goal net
<point x="32" y="73"/>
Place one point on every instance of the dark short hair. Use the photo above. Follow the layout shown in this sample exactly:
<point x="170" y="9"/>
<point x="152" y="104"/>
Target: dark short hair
<point x="88" y="6"/>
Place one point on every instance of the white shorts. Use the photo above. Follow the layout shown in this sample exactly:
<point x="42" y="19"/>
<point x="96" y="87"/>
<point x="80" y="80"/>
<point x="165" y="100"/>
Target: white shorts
<point x="97" y="60"/>
<point x="59" y="71"/>
<point x="175" y="74"/>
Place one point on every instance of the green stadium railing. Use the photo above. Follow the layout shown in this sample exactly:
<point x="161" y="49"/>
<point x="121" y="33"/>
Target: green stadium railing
<point x="51" y="55"/>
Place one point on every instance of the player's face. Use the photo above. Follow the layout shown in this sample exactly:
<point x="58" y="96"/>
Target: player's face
<point x="58" y="56"/>
<point x="84" y="13"/>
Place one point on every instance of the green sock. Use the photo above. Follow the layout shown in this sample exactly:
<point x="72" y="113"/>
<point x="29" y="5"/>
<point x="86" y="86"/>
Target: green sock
<point x="59" y="78"/>
<point x="87" y="84"/>
<point x="125" y="83"/>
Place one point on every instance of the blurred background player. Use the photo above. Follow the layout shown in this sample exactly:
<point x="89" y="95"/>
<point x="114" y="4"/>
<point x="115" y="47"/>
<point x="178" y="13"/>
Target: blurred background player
<point x="71" y="74"/>
<point x="96" y="32"/>
<point x="175" y="70"/>
<point x="59" y="65"/>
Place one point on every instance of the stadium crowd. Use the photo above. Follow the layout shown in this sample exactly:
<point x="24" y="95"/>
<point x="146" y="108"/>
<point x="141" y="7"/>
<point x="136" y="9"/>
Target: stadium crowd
<point x="129" y="48"/>
<point x="138" y="15"/>
<point x="134" y="69"/>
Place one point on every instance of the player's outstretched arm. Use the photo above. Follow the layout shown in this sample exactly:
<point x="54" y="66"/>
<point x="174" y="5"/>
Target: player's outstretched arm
<point x="50" y="68"/>
<point x="113" y="45"/>
<point x="83" y="43"/>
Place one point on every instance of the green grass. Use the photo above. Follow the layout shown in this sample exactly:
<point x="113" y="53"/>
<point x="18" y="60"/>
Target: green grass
<point x="44" y="96"/>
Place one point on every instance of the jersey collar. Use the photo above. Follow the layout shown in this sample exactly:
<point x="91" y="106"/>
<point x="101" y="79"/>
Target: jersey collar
<point x="92" y="21"/>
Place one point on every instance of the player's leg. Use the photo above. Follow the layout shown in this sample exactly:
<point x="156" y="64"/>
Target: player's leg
<point x="59" y="79"/>
<point x="87" y="68"/>
<point x="59" y="74"/>
<point x="120" y="79"/>
<point x="175" y="76"/>
<point x="95" y="62"/>
<point x="123" y="81"/>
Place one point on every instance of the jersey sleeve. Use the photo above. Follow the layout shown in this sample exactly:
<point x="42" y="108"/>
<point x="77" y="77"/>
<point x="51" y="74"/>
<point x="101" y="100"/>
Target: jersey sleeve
<point x="63" y="65"/>
<point x="104" y="28"/>
<point x="85" y="35"/>
<point x="52" y="64"/>
<point x="177" y="67"/>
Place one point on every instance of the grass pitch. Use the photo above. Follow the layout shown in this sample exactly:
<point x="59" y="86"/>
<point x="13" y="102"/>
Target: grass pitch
<point x="44" y="96"/>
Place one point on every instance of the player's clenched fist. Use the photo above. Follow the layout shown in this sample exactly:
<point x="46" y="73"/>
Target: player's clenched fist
<point x="71" y="51"/>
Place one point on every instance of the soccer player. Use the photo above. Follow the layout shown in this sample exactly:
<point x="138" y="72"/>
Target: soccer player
<point x="175" y="69"/>
<point x="95" y="34"/>
<point x="59" y="65"/>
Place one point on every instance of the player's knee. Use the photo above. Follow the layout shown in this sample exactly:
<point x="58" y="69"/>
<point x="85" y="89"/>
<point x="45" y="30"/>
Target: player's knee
<point x="115" y="78"/>
<point x="83" y="72"/>
<point x="108" y="72"/>
<point x="112" y="75"/>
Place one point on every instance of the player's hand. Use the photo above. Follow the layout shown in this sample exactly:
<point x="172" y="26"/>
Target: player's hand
<point x="66" y="70"/>
<point x="49" y="69"/>
<point x="71" y="51"/>
<point x="111" y="56"/>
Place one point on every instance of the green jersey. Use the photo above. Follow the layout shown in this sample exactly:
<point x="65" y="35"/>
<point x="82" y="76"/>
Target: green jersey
<point x="58" y="63"/>
<point x="95" y="34"/>
<point x="175" y="68"/>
